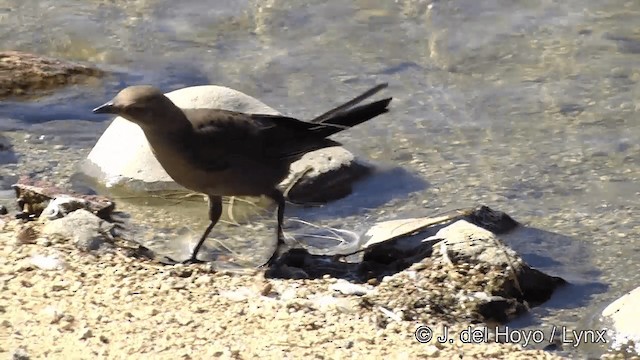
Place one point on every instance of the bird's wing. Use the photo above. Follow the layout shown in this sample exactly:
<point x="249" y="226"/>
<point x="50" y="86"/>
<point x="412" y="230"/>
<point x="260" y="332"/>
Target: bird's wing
<point x="290" y="138"/>
<point x="219" y="137"/>
<point x="227" y="134"/>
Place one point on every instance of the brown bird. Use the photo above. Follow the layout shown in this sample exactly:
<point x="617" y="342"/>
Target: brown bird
<point x="226" y="153"/>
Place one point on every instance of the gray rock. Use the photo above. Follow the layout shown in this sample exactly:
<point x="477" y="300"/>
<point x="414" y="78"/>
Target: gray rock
<point x="88" y="231"/>
<point x="20" y="354"/>
<point x="624" y="316"/>
<point x="469" y="243"/>
<point x="89" y="241"/>
<point x="464" y="242"/>
<point x="122" y="159"/>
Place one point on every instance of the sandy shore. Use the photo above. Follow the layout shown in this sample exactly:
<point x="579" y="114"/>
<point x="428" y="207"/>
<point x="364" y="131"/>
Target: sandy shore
<point x="114" y="306"/>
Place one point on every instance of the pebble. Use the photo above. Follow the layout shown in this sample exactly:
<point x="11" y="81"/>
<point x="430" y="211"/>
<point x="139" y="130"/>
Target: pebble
<point x="52" y="315"/>
<point x="20" y="354"/>
<point x="85" y="334"/>
<point x="47" y="262"/>
<point x="348" y="288"/>
<point x="43" y="241"/>
<point x="202" y="280"/>
<point x="27" y="235"/>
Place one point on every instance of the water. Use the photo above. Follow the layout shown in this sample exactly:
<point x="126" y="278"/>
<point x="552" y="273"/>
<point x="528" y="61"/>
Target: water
<point x="528" y="107"/>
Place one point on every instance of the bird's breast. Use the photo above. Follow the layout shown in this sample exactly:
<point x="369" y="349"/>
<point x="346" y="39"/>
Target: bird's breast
<point x="243" y="175"/>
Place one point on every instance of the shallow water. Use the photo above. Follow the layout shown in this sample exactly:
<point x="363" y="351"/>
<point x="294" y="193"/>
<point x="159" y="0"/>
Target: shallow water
<point x="528" y="107"/>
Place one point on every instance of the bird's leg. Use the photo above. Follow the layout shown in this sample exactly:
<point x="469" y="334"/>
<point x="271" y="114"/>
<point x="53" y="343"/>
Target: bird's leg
<point x="295" y="181"/>
<point x="277" y="196"/>
<point x="215" y="210"/>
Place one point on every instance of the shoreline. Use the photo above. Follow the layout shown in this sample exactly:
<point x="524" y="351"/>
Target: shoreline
<point x="115" y="306"/>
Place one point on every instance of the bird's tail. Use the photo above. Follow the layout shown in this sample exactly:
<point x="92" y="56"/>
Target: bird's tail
<point x="348" y="115"/>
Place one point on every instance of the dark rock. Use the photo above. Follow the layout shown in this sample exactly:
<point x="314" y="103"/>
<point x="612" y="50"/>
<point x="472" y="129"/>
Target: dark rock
<point x="497" y="222"/>
<point x="323" y="175"/>
<point x="500" y="310"/>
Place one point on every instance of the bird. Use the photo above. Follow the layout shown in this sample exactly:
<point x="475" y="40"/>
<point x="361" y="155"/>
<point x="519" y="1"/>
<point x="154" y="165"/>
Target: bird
<point x="228" y="153"/>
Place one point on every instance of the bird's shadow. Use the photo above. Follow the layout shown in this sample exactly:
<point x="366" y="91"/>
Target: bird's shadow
<point x="569" y="261"/>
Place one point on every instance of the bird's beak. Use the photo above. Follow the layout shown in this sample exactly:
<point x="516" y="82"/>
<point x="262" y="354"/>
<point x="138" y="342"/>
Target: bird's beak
<point x="106" y="108"/>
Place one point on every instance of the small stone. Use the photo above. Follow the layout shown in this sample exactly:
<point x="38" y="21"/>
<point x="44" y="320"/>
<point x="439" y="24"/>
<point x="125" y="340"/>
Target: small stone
<point x="418" y="266"/>
<point x="266" y="289"/>
<point x="179" y="285"/>
<point x="431" y="351"/>
<point x="59" y="286"/>
<point x="88" y="241"/>
<point x="183" y="318"/>
<point x="43" y="241"/>
<point x="21" y="354"/>
<point x="47" y="262"/>
<point x="67" y="322"/>
<point x="52" y="315"/>
<point x="348" y="288"/>
<point x="103" y="339"/>
<point x="85" y="334"/>
<point x="3" y="210"/>
<point x="202" y="280"/>
<point x="27" y="235"/>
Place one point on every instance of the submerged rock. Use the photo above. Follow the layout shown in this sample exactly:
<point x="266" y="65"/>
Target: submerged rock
<point x="28" y="75"/>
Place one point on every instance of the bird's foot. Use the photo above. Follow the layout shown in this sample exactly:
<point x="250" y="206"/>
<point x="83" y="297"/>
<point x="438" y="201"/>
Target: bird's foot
<point x="192" y="260"/>
<point x="272" y="260"/>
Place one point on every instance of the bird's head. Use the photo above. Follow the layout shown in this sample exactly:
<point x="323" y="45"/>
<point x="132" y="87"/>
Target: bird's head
<point x="141" y="104"/>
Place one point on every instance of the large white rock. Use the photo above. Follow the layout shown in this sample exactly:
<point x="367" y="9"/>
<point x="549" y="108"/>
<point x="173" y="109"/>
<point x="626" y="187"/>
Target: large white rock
<point x="624" y="315"/>
<point x="122" y="157"/>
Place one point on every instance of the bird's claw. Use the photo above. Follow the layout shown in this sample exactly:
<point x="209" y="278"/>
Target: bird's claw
<point x="189" y="261"/>
<point x="192" y="260"/>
